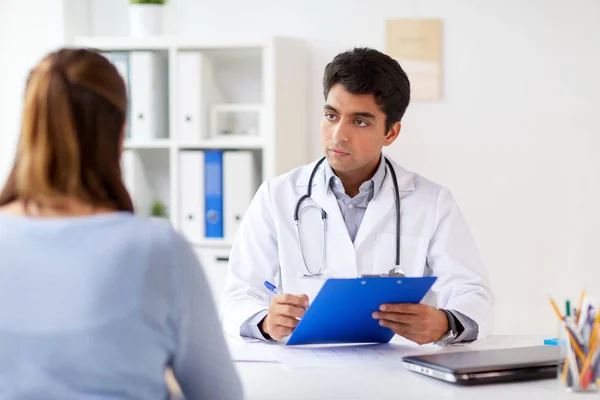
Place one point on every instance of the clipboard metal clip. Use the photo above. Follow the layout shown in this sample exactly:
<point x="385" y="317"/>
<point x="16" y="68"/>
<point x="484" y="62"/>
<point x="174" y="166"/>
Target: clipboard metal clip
<point x="396" y="272"/>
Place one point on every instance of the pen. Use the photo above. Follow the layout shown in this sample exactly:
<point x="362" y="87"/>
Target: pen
<point x="272" y="287"/>
<point x="572" y="341"/>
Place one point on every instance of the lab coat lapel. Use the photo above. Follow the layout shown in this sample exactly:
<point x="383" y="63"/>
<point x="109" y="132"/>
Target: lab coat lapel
<point x="323" y="197"/>
<point x="379" y="207"/>
<point x="340" y="255"/>
<point x="384" y="203"/>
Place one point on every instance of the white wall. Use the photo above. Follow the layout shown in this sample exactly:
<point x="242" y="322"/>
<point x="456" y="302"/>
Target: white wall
<point x="29" y="30"/>
<point x="516" y="137"/>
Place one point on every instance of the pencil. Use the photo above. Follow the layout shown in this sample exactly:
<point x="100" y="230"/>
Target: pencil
<point x="563" y="377"/>
<point x="576" y="347"/>
<point x="593" y="346"/>
<point x="556" y="310"/>
<point x="578" y="313"/>
<point x="586" y="364"/>
<point x="593" y="336"/>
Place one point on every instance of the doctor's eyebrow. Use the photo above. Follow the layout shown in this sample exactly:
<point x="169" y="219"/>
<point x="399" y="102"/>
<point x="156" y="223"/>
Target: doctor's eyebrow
<point x="362" y="114"/>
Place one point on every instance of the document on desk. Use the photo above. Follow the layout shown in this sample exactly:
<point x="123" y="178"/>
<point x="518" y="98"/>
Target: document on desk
<point x="251" y="351"/>
<point x="313" y="357"/>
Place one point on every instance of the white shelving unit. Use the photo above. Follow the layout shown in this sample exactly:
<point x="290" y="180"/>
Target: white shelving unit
<point x="264" y="75"/>
<point x="149" y="144"/>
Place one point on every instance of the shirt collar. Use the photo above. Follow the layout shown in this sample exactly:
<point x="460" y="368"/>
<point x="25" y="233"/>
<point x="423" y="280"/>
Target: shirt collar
<point x="379" y="176"/>
<point x="376" y="180"/>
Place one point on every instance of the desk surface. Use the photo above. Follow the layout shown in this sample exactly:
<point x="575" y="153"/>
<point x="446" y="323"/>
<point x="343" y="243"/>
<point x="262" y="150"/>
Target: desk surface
<point x="273" y="381"/>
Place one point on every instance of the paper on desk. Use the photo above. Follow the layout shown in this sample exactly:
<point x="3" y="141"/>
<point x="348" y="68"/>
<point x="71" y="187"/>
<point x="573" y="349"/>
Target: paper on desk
<point x="251" y="351"/>
<point x="311" y="357"/>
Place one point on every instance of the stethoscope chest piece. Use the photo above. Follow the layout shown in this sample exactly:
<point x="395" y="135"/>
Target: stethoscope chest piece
<point x="396" y="272"/>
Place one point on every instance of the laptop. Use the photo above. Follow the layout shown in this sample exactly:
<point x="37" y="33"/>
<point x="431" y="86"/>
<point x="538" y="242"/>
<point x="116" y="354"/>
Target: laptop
<point x="475" y="367"/>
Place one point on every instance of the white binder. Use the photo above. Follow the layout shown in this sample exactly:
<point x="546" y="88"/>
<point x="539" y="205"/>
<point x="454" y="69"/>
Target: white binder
<point x="191" y="203"/>
<point x="196" y="90"/>
<point x="120" y="59"/>
<point x="149" y="95"/>
<point x="136" y="182"/>
<point x="240" y="183"/>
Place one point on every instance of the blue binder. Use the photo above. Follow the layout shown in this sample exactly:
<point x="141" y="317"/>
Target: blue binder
<point x="213" y="192"/>
<point x="342" y="310"/>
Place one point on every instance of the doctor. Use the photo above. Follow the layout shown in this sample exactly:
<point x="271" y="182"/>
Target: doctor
<point x="348" y="223"/>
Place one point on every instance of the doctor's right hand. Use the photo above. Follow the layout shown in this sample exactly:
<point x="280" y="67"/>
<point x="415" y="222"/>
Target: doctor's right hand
<point x="283" y="315"/>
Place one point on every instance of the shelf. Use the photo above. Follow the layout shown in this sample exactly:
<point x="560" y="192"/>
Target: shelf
<point x="148" y="144"/>
<point x="210" y="243"/>
<point x="232" y="107"/>
<point x="119" y="43"/>
<point x="232" y="143"/>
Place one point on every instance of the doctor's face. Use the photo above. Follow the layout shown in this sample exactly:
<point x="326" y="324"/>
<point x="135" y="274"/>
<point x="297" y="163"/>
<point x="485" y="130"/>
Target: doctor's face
<point x="353" y="131"/>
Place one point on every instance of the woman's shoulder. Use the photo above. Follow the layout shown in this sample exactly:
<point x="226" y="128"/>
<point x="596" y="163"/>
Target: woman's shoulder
<point x="156" y="230"/>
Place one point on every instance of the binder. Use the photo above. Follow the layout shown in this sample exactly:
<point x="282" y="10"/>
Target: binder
<point x="136" y="182"/>
<point x="149" y="95"/>
<point x="196" y="89"/>
<point x="240" y="182"/>
<point x="120" y="59"/>
<point x="213" y="190"/>
<point x="191" y="183"/>
<point x="342" y="310"/>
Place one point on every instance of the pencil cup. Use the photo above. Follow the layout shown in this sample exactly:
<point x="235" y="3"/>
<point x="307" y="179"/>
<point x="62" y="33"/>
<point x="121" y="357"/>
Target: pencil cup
<point x="578" y="370"/>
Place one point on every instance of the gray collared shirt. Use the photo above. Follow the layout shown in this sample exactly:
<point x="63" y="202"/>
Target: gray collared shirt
<point x="353" y="208"/>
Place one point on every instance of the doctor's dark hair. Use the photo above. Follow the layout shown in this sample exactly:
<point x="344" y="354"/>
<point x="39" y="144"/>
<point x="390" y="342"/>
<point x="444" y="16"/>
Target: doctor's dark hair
<point x="71" y="134"/>
<point x="368" y="71"/>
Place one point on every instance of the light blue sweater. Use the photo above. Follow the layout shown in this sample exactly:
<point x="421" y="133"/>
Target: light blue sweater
<point x="97" y="307"/>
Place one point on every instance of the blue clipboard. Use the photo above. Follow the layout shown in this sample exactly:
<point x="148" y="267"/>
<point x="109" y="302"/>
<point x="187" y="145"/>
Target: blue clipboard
<point x="342" y="311"/>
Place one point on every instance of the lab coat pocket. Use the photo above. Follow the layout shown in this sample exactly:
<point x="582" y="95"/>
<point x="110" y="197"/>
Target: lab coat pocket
<point x="413" y="254"/>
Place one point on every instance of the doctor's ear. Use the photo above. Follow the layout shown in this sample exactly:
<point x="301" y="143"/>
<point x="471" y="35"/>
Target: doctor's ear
<point x="392" y="134"/>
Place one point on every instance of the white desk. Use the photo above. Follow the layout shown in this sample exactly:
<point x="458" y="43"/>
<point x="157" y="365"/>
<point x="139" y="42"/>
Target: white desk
<point x="264" y="381"/>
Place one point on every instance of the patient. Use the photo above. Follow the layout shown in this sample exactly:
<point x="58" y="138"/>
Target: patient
<point x="94" y="301"/>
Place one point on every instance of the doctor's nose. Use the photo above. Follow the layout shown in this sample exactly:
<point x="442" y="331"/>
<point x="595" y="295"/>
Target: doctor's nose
<point x="339" y="133"/>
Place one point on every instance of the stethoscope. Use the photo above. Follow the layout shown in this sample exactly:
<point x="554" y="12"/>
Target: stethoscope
<point x="396" y="271"/>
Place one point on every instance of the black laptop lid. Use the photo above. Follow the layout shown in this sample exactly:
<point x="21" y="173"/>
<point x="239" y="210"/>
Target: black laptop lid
<point x="472" y="361"/>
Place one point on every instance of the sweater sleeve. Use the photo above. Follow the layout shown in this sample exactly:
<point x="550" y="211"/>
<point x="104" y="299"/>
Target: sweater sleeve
<point x="202" y="364"/>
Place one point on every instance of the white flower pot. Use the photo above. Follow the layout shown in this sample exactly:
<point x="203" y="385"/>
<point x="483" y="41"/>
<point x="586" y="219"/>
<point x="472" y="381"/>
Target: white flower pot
<point x="159" y="220"/>
<point x="145" y="19"/>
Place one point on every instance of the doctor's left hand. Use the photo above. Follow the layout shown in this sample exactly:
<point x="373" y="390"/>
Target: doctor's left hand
<point x="420" y="323"/>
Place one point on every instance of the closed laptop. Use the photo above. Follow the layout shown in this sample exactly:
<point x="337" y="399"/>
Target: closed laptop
<point x="474" y="367"/>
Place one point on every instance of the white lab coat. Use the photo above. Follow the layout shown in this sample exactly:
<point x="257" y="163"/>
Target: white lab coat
<point x="435" y="240"/>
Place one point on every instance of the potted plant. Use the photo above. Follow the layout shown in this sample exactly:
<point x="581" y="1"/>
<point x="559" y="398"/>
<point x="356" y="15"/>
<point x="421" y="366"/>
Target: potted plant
<point x="145" y="17"/>
<point x="159" y="211"/>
